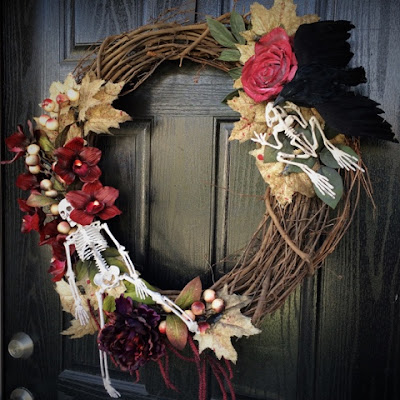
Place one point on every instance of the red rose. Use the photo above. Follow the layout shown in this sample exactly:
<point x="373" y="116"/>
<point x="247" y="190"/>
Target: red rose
<point x="272" y="66"/>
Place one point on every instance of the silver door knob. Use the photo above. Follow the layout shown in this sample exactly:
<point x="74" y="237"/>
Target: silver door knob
<point x="20" y="346"/>
<point x="21" y="394"/>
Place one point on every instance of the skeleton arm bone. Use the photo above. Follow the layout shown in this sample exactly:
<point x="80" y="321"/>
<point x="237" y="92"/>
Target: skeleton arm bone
<point x="165" y="301"/>
<point x="80" y="312"/>
<point x="139" y="284"/>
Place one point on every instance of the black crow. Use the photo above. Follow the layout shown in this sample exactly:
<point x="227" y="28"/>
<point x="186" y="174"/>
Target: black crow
<point x="322" y="81"/>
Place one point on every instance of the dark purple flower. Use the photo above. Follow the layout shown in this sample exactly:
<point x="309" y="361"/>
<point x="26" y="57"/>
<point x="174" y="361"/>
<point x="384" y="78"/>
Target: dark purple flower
<point x="131" y="336"/>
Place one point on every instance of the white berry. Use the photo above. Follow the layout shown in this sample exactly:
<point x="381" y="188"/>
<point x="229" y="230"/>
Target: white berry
<point x="209" y="295"/>
<point x="46" y="184"/>
<point x="52" y="124"/>
<point x="54" y="209"/>
<point x="73" y="95"/>
<point x="32" y="160"/>
<point x="51" y="193"/>
<point x="63" y="227"/>
<point x="43" y="119"/>
<point x="33" y="149"/>
<point x="34" y="169"/>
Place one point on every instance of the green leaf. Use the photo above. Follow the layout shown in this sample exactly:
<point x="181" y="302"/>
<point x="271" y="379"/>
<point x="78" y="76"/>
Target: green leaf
<point x="237" y="26"/>
<point x="348" y="150"/>
<point x="177" y="332"/>
<point x="336" y="181"/>
<point x="45" y="144"/>
<point x="57" y="185"/>
<point x="92" y="270"/>
<point x="110" y="252"/>
<point x="271" y="153"/>
<point x="131" y="292"/>
<point x="230" y="96"/>
<point x="117" y="262"/>
<point x="81" y="270"/>
<point x="327" y="158"/>
<point x="109" y="304"/>
<point x="220" y="33"/>
<point x="229" y="55"/>
<point x="235" y="73"/>
<point x="289" y="169"/>
<point x="189" y="294"/>
<point x="62" y="137"/>
<point x="38" y="200"/>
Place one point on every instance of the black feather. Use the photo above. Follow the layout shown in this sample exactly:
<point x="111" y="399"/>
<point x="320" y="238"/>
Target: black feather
<point x="322" y="81"/>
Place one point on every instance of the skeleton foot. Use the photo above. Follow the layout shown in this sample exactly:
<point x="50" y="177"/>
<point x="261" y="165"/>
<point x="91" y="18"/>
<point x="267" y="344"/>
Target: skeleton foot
<point x="345" y="160"/>
<point x="110" y="390"/>
<point x="81" y="314"/>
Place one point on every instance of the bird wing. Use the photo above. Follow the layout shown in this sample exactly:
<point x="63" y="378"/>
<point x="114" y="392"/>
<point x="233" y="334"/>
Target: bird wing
<point x="356" y="115"/>
<point x="323" y="43"/>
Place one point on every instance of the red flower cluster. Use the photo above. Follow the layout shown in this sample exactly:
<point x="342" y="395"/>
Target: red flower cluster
<point x="273" y="65"/>
<point x="93" y="200"/>
<point x="16" y="143"/>
<point x="76" y="160"/>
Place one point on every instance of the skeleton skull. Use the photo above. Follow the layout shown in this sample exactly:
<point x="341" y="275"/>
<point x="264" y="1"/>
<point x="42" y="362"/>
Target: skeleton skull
<point x="65" y="208"/>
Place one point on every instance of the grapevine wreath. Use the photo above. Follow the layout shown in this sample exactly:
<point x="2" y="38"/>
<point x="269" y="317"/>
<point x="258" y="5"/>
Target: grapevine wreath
<point x="292" y="88"/>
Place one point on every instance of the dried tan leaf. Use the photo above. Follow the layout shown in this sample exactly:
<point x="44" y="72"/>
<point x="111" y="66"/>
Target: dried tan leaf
<point x="67" y="117"/>
<point x="76" y="330"/>
<point x="232" y="323"/>
<point x="238" y="84"/>
<point x="246" y="50"/>
<point x="283" y="187"/>
<point x="252" y="117"/>
<point x="102" y="117"/>
<point x="89" y="88"/>
<point x="73" y="132"/>
<point x="109" y="92"/>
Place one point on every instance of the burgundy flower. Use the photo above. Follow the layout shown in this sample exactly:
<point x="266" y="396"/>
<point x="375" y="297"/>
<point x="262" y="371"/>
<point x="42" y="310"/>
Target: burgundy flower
<point x="57" y="269"/>
<point x="272" y="66"/>
<point x="17" y="144"/>
<point x="93" y="200"/>
<point x="33" y="220"/>
<point x="131" y="336"/>
<point x="74" y="159"/>
<point x="27" y="181"/>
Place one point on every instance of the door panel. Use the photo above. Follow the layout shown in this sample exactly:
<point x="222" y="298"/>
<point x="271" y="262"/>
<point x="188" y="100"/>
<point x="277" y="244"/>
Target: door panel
<point x="191" y="198"/>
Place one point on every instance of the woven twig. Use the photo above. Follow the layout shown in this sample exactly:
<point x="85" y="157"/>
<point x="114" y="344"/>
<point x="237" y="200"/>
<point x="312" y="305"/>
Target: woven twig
<point x="291" y="242"/>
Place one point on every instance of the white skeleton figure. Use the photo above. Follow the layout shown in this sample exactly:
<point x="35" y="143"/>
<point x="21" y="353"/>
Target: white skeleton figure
<point x="89" y="242"/>
<point x="282" y="122"/>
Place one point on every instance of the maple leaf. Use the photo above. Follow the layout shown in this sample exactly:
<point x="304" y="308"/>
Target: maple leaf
<point x="76" y="330"/>
<point x="283" y="187"/>
<point x="102" y="117"/>
<point x="263" y="20"/>
<point x="89" y="88"/>
<point x="252" y="117"/>
<point x="232" y="323"/>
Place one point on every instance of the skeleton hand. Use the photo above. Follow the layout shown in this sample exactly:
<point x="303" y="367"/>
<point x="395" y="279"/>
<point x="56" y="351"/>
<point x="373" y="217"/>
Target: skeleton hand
<point x="81" y="314"/>
<point x="345" y="160"/>
<point x="321" y="182"/>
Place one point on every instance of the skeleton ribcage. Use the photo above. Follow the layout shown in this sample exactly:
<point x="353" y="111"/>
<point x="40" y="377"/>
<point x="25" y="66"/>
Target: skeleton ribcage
<point x="87" y="239"/>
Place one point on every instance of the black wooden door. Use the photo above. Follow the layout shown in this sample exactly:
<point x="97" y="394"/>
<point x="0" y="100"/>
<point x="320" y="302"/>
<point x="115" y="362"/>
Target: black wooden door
<point x="189" y="198"/>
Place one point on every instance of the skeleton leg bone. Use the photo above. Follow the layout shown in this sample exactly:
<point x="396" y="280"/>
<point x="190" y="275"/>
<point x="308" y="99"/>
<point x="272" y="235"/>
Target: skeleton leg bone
<point x="80" y="312"/>
<point x="103" y="355"/>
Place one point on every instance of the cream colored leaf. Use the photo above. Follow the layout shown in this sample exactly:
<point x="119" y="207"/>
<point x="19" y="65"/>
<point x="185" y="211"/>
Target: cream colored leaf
<point x="89" y="88"/>
<point x="246" y="51"/>
<point x="73" y="132"/>
<point x="109" y="92"/>
<point x="238" y="84"/>
<point x="55" y="89"/>
<point x="232" y="323"/>
<point x="283" y="187"/>
<point x="103" y="117"/>
<point x="252" y="117"/>
<point x="76" y="330"/>
<point x="67" y="117"/>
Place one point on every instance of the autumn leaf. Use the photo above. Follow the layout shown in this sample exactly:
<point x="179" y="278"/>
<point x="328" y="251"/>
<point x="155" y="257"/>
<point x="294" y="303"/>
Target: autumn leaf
<point x="102" y="117"/>
<point x="76" y="330"/>
<point x="252" y="117"/>
<point x="189" y="294"/>
<point x="232" y="323"/>
<point x="263" y="20"/>
<point x="89" y="88"/>
<point x="176" y="332"/>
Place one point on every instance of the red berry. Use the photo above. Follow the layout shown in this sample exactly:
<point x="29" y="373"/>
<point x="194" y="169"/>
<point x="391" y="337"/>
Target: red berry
<point x="203" y="327"/>
<point x="48" y="105"/>
<point x="162" y="327"/>
<point x="62" y="98"/>
<point x="198" y="308"/>
<point x="209" y="295"/>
